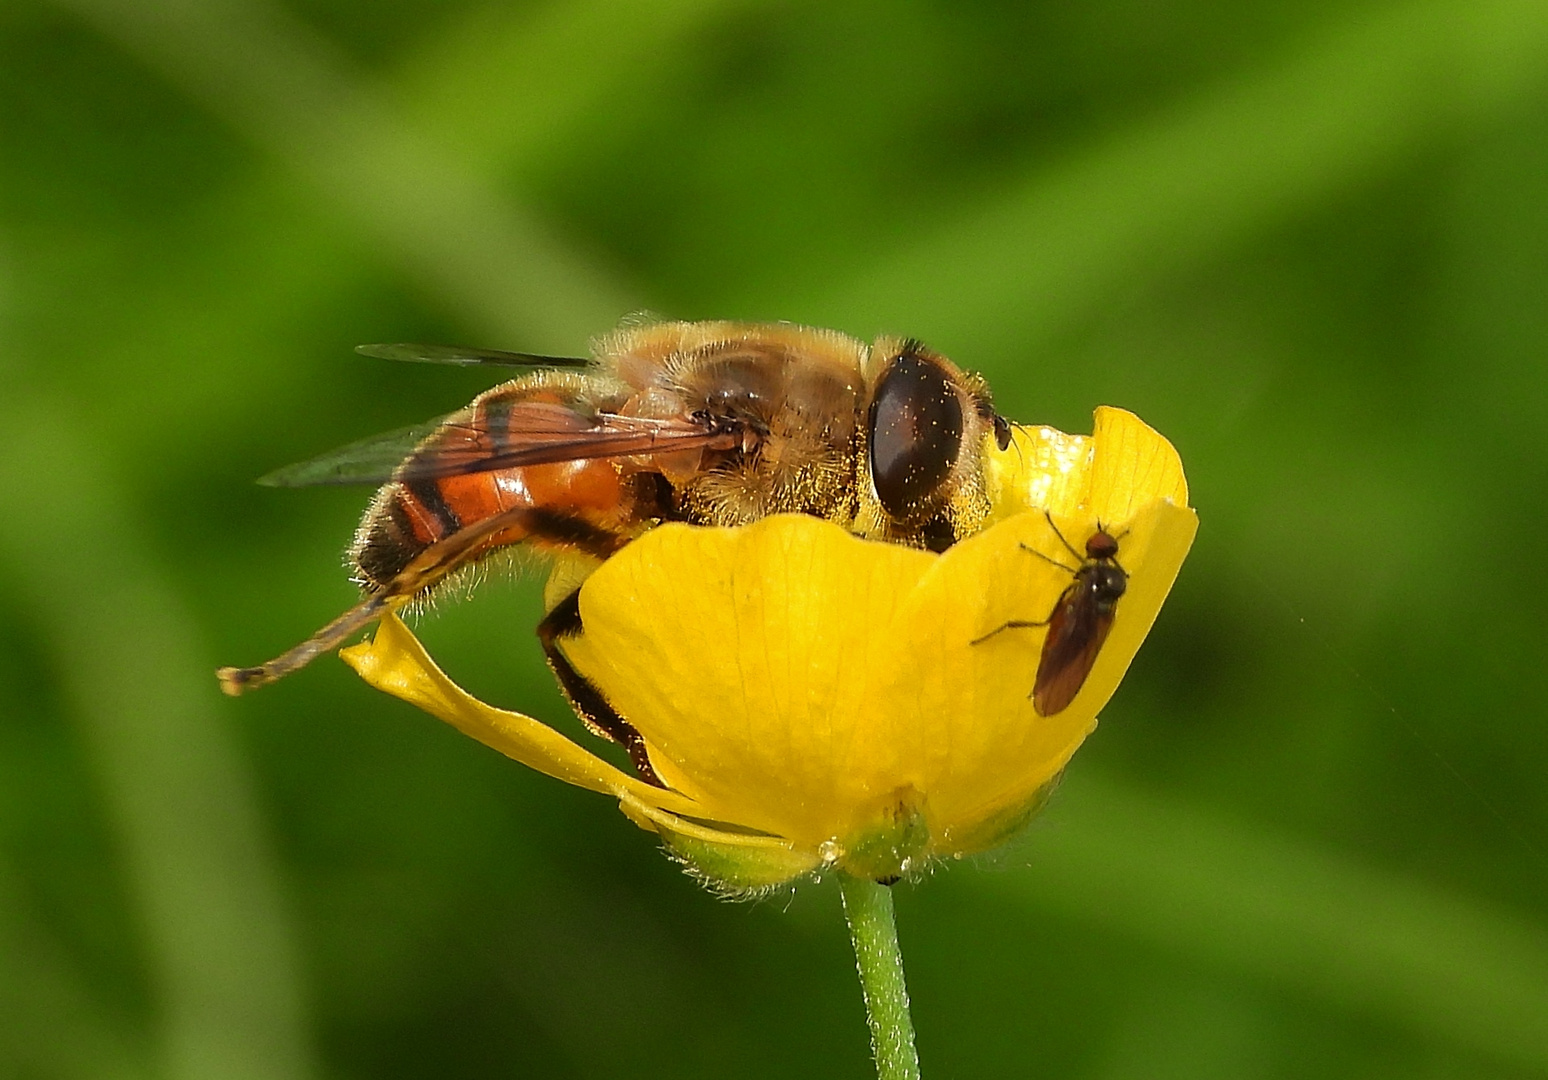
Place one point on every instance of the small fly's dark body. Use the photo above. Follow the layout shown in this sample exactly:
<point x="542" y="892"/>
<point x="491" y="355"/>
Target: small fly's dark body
<point x="1079" y="623"/>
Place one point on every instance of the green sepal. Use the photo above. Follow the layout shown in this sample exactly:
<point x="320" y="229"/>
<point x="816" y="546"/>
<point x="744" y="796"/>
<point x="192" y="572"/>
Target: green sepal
<point x="734" y="870"/>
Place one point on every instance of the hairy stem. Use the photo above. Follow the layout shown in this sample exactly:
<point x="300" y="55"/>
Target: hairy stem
<point x="872" y="928"/>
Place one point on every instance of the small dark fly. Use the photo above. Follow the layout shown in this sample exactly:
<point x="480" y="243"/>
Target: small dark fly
<point x="1080" y="620"/>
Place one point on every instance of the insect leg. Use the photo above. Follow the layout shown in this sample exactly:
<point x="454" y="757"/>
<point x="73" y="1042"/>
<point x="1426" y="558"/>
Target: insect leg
<point x="1048" y="558"/>
<point x="584" y="697"/>
<point x="1014" y="624"/>
<point x="1067" y="545"/>
<point x="234" y="680"/>
<point x="1025" y="624"/>
<point x="424" y="572"/>
<point x="1114" y="558"/>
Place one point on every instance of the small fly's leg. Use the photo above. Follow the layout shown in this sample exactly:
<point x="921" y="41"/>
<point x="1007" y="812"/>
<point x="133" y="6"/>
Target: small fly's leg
<point x="1067" y="545"/>
<point x="1014" y="624"/>
<point x="1028" y="624"/>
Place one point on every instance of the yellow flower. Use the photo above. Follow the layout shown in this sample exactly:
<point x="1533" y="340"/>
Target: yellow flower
<point x="812" y="699"/>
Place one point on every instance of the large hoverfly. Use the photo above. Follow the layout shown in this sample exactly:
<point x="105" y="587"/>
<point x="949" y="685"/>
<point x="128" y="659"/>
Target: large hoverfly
<point x="712" y="423"/>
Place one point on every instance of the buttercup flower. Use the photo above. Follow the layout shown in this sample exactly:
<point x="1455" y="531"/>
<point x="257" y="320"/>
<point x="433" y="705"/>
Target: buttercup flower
<point x="815" y="700"/>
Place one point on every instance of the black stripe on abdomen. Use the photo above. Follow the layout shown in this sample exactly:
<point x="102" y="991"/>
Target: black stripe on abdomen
<point x="571" y="530"/>
<point x="389" y="543"/>
<point x="427" y="492"/>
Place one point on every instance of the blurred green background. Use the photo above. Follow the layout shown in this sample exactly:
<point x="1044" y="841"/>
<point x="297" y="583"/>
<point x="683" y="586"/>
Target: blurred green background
<point x="1309" y="242"/>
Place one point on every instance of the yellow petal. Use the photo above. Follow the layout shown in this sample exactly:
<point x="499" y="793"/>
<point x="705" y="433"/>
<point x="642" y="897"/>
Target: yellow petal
<point x="397" y="663"/>
<point x="1106" y="476"/>
<point x="993" y="765"/>
<point x="1042" y="467"/>
<point x="1133" y="465"/>
<point x="794" y="679"/>
<point x="743" y="656"/>
<point x="810" y="697"/>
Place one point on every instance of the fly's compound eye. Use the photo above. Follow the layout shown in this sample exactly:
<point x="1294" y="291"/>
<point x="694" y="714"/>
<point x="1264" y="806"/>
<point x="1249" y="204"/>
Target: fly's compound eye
<point x="916" y="426"/>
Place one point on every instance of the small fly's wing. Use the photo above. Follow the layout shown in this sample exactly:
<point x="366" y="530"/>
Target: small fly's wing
<point x="1076" y="631"/>
<point x="368" y="461"/>
<point x="415" y="353"/>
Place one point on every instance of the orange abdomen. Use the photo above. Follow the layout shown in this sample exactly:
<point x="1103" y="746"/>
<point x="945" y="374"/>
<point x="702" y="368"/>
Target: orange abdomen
<point x="577" y="503"/>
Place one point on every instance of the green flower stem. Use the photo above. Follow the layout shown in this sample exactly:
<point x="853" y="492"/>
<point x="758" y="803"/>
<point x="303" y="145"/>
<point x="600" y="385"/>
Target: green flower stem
<point x="868" y="908"/>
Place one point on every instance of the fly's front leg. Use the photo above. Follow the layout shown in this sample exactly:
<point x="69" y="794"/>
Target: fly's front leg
<point x="595" y="711"/>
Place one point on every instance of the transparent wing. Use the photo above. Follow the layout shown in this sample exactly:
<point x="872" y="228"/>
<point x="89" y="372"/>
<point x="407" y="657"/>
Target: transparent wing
<point x="542" y="433"/>
<point x="453" y="354"/>
<point x="368" y="461"/>
<point x="485" y="439"/>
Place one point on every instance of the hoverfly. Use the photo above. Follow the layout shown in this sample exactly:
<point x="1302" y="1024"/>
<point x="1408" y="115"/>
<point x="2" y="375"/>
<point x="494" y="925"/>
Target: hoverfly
<point x="710" y="423"/>
<point x="1079" y="623"/>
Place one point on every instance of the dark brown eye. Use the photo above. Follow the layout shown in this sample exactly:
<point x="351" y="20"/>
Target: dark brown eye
<point x="916" y="426"/>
